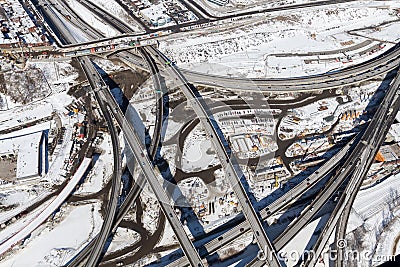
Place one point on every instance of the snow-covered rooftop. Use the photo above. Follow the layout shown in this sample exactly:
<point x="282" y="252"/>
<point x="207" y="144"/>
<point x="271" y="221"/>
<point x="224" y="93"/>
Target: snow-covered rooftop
<point x="29" y="151"/>
<point x="155" y="13"/>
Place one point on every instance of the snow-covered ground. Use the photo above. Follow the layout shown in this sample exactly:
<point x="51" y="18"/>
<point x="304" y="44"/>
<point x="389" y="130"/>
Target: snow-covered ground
<point x="247" y="49"/>
<point x="173" y="128"/>
<point x="123" y="238"/>
<point x="101" y="172"/>
<point x="58" y="76"/>
<point x="67" y="234"/>
<point x="20" y="199"/>
<point x="168" y="237"/>
<point x="266" y="45"/>
<point x="150" y="212"/>
<point x="293" y="251"/>
<point x="388" y="244"/>
<point x="16" y="226"/>
<point x="386" y="33"/>
<point x="52" y="207"/>
<point x="198" y="153"/>
<point x="318" y="117"/>
<point x="374" y="218"/>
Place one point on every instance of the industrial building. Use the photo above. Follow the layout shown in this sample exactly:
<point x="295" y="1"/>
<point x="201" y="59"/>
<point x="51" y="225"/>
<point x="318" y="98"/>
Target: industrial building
<point x="31" y="152"/>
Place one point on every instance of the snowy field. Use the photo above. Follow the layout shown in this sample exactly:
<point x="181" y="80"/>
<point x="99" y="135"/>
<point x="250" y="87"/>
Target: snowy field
<point x="247" y="49"/>
<point x="197" y="152"/>
<point x="67" y="236"/>
<point x="386" y="33"/>
<point x="123" y="237"/>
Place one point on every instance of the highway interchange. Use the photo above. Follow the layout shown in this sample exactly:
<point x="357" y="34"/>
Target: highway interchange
<point x="108" y="104"/>
<point x="347" y="168"/>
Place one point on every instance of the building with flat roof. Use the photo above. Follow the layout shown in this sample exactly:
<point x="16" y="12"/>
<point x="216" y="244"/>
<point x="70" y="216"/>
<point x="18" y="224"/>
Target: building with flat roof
<point x="31" y="151"/>
<point x="156" y="15"/>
